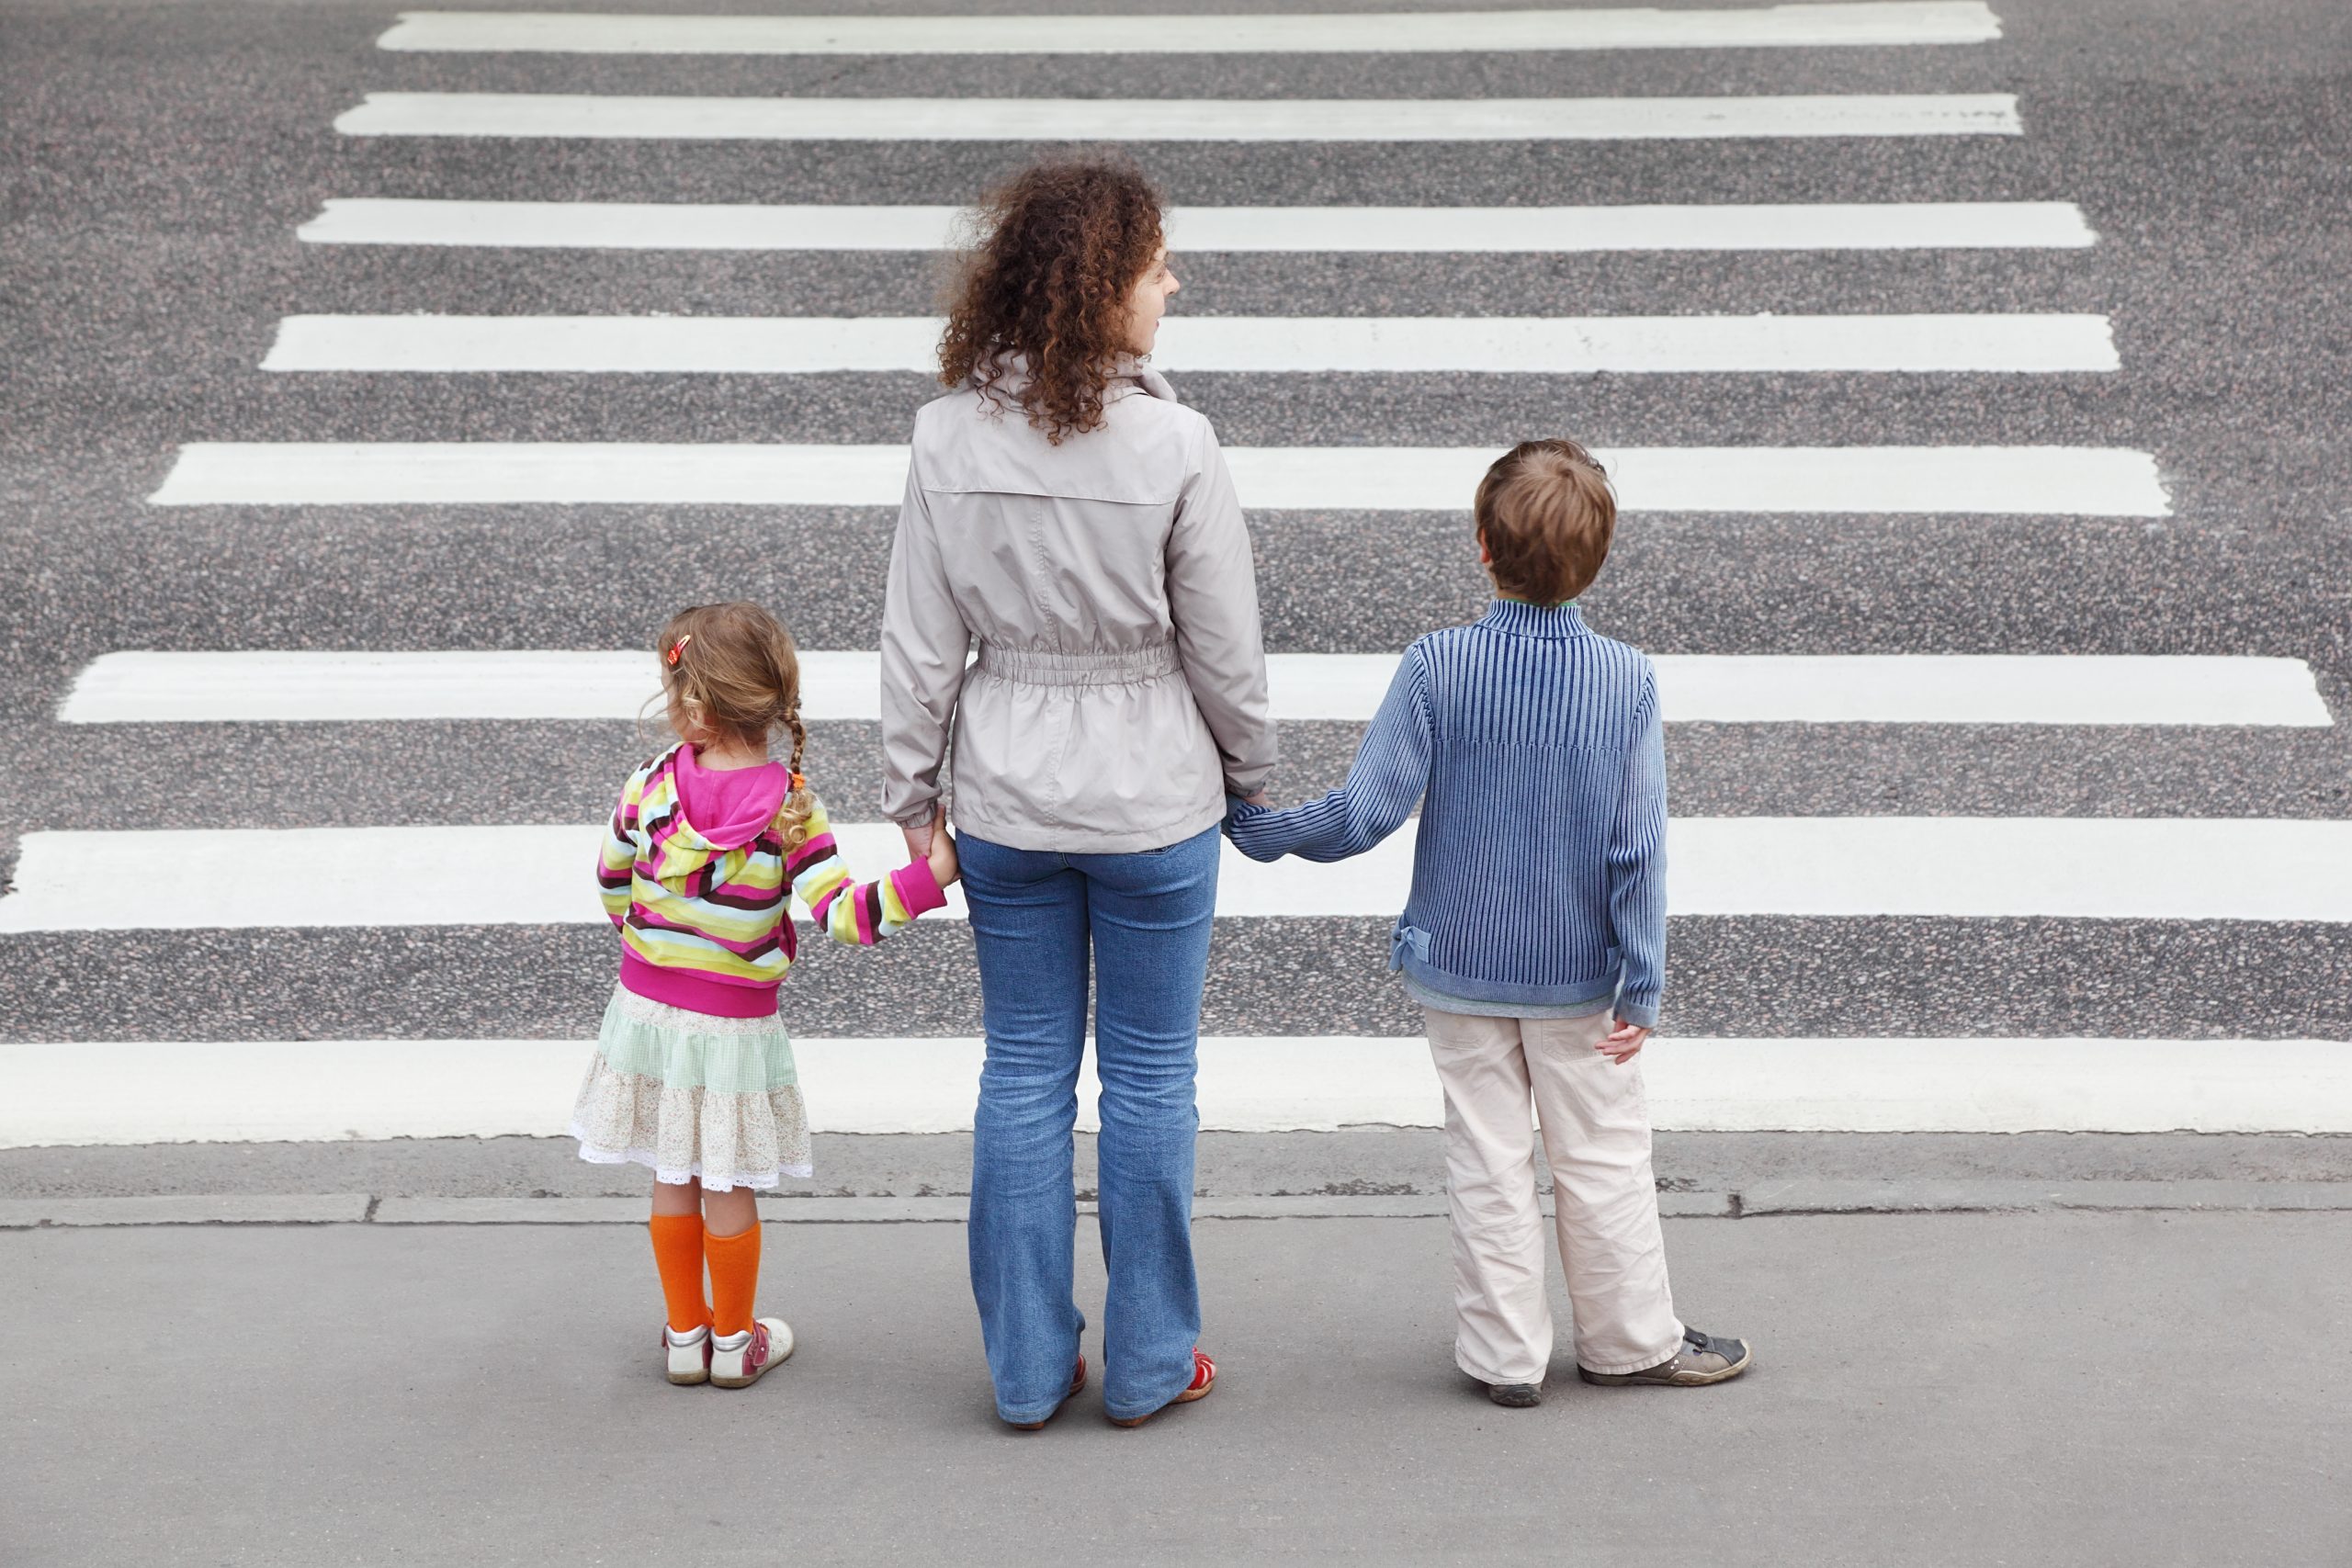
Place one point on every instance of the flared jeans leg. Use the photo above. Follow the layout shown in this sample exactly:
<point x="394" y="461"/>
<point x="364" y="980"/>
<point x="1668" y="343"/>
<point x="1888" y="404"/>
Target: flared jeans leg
<point x="1028" y="915"/>
<point x="1150" y="916"/>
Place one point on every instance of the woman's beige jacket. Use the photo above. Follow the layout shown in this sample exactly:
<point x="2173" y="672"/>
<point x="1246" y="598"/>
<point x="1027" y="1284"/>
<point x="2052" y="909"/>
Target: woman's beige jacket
<point x="1102" y="592"/>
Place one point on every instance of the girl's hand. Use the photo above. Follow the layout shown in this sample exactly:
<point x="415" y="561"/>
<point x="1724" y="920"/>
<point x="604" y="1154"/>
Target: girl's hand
<point x="941" y="858"/>
<point x="1625" y="1043"/>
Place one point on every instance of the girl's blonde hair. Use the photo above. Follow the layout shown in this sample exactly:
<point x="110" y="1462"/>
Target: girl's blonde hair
<point x="732" y="668"/>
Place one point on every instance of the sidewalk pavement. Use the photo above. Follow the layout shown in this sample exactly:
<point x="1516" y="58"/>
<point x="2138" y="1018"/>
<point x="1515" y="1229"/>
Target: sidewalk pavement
<point x="2046" y="1387"/>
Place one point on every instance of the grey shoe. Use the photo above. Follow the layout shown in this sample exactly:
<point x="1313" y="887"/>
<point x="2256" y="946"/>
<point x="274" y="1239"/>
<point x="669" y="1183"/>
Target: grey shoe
<point x="1704" y="1359"/>
<point x="1515" y="1395"/>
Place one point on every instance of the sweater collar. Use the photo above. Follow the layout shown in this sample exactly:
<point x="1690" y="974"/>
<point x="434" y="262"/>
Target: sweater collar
<point x="1522" y="619"/>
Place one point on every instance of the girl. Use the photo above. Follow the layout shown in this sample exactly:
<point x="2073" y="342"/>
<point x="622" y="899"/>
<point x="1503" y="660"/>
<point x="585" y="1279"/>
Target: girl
<point x="1065" y="513"/>
<point x="693" y="1074"/>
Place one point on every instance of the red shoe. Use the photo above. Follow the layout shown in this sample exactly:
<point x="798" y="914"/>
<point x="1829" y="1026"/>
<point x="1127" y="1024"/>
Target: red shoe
<point x="1203" y="1379"/>
<point x="1077" y="1382"/>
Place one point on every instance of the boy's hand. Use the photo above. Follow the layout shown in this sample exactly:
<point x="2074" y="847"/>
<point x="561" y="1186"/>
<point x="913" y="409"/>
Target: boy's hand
<point x="941" y="857"/>
<point x="1625" y="1043"/>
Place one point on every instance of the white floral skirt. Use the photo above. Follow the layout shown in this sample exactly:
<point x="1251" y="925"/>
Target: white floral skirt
<point x="694" y="1097"/>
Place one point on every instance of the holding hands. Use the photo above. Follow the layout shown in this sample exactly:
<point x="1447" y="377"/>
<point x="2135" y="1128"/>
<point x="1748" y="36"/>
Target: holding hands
<point x="931" y="844"/>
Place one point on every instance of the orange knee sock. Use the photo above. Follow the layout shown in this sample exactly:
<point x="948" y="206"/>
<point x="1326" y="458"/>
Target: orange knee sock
<point x="677" y="1252"/>
<point x="734" y="1279"/>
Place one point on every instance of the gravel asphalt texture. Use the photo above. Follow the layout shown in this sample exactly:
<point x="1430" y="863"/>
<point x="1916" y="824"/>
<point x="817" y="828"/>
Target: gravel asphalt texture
<point x="159" y="158"/>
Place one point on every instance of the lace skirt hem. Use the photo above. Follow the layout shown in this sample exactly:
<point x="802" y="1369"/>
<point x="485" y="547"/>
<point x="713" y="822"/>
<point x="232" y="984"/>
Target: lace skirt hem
<point x="691" y="1175"/>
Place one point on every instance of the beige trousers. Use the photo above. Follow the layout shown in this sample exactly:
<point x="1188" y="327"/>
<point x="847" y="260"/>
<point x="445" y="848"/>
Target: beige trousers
<point x="1596" y="1125"/>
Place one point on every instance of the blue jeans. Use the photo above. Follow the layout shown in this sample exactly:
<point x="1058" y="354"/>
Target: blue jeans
<point x="1035" y="915"/>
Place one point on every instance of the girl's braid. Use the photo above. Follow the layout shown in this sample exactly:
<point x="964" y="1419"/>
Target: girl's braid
<point x="800" y="802"/>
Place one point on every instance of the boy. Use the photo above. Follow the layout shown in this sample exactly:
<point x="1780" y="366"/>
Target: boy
<point x="1537" y="917"/>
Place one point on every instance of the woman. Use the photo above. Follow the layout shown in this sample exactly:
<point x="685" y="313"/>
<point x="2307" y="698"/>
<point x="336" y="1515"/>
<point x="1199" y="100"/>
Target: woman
<point x="1068" y="516"/>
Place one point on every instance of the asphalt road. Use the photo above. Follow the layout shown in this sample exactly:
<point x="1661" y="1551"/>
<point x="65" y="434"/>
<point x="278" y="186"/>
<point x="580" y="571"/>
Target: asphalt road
<point x="161" y="157"/>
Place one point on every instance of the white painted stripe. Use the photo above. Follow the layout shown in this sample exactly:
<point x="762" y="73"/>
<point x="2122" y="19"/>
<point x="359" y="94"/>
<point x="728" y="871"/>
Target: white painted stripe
<point x="2067" y="480"/>
<point x="144" y="1091"/>
<point x="1891" y="22"/>
<point x="2099" y="868"/>
<point x="579" y="115"/>
<point x="264" y="686"/>
<point x="682" y="226"/>
<point x="1989" y="689"/>
<point x="1532" y="344"/>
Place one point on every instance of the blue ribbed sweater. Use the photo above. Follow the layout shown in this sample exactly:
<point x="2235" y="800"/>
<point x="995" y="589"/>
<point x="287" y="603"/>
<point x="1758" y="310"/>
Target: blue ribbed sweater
<point x="1534" y="747"/>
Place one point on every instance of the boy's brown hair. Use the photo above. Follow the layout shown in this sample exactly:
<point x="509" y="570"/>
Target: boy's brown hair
<point x="732" y="668"/>
<point x="1545" y="515"/>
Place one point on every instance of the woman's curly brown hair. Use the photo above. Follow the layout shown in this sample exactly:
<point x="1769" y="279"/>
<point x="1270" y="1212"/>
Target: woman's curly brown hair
<point x="1060" y="246"/>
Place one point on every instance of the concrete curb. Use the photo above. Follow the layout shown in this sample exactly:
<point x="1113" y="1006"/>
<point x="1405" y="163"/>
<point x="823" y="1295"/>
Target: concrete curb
<point x="194" y="1209"/>
<point x="1794" y="1198"/>
<point x="1789" y="1199"/>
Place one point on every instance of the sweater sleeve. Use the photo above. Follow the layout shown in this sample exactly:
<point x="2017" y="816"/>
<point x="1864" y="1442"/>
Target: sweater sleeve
<point x="857" y="913"/>
<point x="1391" y="771"/>
<point x="1212" y="601"/>
<point x="1638" y="864"/>
<point x="924" y="643"/>
<point x="617" y="858"/>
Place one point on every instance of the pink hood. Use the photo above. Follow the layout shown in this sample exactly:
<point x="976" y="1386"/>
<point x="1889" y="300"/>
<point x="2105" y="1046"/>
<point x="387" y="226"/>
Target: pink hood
<point x="727" y="807"/>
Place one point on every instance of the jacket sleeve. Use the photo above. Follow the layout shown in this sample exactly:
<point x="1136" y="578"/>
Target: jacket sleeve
<point x="1213" y="600"/>
<point x="1638" y="864"/>
<point x="1391" y="772"/>
<point x="925" y="645"/>
<point x="617" y="858"/>
<point x="857" y="913"/>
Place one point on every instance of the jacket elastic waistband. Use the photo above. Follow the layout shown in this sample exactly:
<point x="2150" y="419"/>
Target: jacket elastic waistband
<point x="1031" y="667"/>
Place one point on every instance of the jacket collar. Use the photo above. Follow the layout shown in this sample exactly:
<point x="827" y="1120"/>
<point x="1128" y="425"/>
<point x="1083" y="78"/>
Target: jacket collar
<point x="1533" y="620"/>
<point x="1129" y="374"/>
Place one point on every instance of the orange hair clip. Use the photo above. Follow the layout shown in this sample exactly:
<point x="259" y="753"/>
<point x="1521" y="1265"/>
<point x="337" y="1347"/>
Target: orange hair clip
<point x="799" y="781"/>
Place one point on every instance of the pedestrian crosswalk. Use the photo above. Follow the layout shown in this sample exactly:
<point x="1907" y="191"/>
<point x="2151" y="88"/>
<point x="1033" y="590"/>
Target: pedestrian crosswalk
<point x="276" y="1090"/>
<point x="2083" y="481"/>
<point x="1980" y="454"/>
<point x="1846" y="867"/>
<point x="1384" y="32"/>
<point x="1391" y="345"/>
<point x="611" y="117"/>
<point x="1547" y="230"/>
<point x="270" y="686"/>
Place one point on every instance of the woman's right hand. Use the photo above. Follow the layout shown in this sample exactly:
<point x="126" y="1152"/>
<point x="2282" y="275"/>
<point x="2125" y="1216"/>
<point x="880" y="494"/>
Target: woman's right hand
<point x="919" y="836"/>
<point x="941" y="858"/>
<point x="931" y="844"/>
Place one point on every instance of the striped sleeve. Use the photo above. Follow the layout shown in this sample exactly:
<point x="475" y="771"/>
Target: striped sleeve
<point x="1637" y="863"/>
<point x="857" y="913"/>
<point x="617" y="861"/>
<point x="1391" y="771"/>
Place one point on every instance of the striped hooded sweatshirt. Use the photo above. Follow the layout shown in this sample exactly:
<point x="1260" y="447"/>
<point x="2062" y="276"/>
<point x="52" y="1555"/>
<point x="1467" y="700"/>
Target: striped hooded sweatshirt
<point x="1534" y="750"/>
<point x="695" y="877"/>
